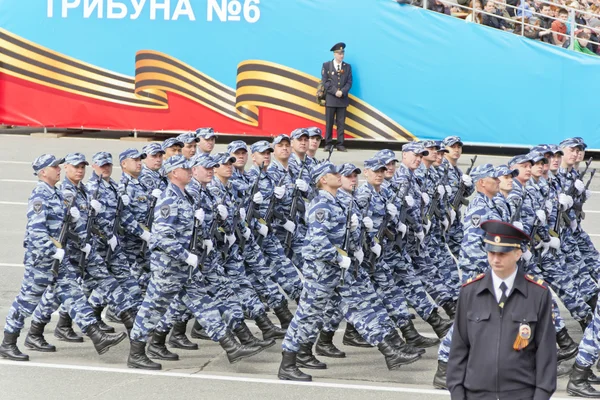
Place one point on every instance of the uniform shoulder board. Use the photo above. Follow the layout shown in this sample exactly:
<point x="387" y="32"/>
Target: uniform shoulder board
<point x="538" y="281"/>
<point x="475" y="279"/>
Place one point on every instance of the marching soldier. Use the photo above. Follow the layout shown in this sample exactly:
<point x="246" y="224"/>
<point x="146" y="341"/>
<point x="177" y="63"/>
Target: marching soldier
<point x="207" y="137"/>
<point x="315" y="136"/>
<point x="151" y="175"/>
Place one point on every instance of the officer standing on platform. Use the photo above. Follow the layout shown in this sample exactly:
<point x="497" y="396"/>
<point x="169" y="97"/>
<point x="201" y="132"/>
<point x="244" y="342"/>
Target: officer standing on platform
<point x="503" y="327"/>
<point x="336" y="76"/>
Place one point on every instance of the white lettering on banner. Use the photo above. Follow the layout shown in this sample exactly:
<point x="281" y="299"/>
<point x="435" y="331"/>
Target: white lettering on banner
<point x="66" y="4"/>
<point x="90" y="5"/>
<point x="110" y="10"/>
<point x="230" y="10"/>
<point x="183" y="8"/>
<point x="157" y="6"/>
<point x="50" y="9"/>
<point x="138" y="6"/>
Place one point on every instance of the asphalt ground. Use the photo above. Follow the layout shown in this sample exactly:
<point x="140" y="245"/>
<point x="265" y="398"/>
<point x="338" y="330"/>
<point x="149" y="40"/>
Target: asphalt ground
<point x="75" y="371"/>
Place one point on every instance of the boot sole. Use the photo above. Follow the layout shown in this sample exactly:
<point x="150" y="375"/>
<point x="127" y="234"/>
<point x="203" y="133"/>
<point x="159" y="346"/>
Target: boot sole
<point x="108" y="347"/>
<point x="13" y="358"/>
<point x="329" y="355"/>
<point x="157" y="356"/>
<point x="108" y="330"/>
<point x="405" y="363"/>
<point x="439" y="386"/>
<point x="134" y="366"/>
<point x="300" y="365"/>
<point x="201" y="337"/>
<point x="425" y="345"/>
<point x="177" y="346"/>
<point x="40" y="349"/>
<point x="285" y="378"/>
<point x="66" y="339"/>
<point x="245" y="356"/>
<point x="362" y="346"/>
<point x="577" y="394"/>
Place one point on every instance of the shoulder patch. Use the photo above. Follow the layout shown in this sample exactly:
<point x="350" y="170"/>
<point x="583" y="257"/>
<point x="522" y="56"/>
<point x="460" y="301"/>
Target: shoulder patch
<point x="474" y="279"/>
<point x="538" y="281"/>
<point x="165" y="211"/>
<point x="320" y="215"/>
<point x="37" y="206"/>
<point x="67" y="197"/>
<point x="475" y="220"/>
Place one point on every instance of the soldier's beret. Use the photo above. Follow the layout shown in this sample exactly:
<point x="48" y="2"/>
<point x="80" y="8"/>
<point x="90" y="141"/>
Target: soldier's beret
<point x="102" y="158"/>
<point x="580" y="140"/>
<point x="451" y="141"/>
<point x="415" y="147"/>
<point x="152" y="149"/>
<point x="374" y="164"/>
<point x="75" y="159"/>
<point x="386" y="155"/>
<point x="571" y="142"/>
<point x="223" y="158"/>
<point x="536" y="157"/>
<point x="347" y="169"/>
<point x="314" y="131"/>
<point x="188" y="137"/>
<point x="205" y="133"/>
<point x="204" y="160"/>
<point x="503" y="170"/>
<point x="176" y="162"/>
<point x="323" y="169"/>
<point x="45" y="160"/>
<point x="261" y="146"/>
<point x="279" y="138"/>
<point x="236" y="145"/>
<point x="520" y="159"/>
<point x="131" y="153"/>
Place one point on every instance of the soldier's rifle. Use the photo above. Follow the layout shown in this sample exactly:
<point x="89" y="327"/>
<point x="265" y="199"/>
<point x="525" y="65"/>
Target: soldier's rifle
<point x="434" y="206"/>
<point x="148" y="222"/>
<point x="579" y="211"/>
<point x="460" y="199"/>
<point x="362" y="238"/>
<point x="250" y="212"/>
<point x="535" y="239"/>
<point x="117" y="225"/>
<point x="562" y="216"/>
<point x="90" y="225"/>
<point x="63" y="236"/>
<point x="402" y="218"/>
<point x="270" y="213"/>
<point x="293" y="211"/>
<point x="347" y="235"/>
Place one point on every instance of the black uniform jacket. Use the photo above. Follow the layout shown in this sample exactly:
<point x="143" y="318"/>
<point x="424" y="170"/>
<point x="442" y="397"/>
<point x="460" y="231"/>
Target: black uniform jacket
<point x="483" y="363"/>
<point x="334" y="81"/>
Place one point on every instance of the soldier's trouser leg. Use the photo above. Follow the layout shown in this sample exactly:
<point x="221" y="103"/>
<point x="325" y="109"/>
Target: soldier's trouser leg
<point x="298" y="244"/>
<point x="455" y="236"/>
<point x="283" y="271"/>
<point x="227" y="301"/>
<point x="590" y="343"/>
<point x="446" y="265"/>
<point x="105" y="289"/>
<point x="260" y="276"/>
<point x="390" y="294"/>
<point x="240" y="284"/>
<point x="589" y="253"/>
<point x="559" y="323"/>
<point x="444" y="350"/>
<point x="426" y="271"/>
<point x="576" y="267"/>
<point x="120" y="270"/>
<point x="333" y="315"/>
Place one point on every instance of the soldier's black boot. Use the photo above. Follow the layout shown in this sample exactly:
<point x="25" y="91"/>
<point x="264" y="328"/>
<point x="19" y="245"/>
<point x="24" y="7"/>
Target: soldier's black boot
<point x="439" y="380"/>
<point x="563" y="369"/>
<point x="64" y="329"/>
<point x="158" y="349"/>
<point x="178" y="338"/>
<point x="9" y="349"/>
<point x="284" y="315"/>
<point x="104" y="341"/>
<point x="35" y="339"/>
<point x="450" y="309"/>
<point x="111" y="316"/>
<point x="198" y="332"/>
<point x="128" y="319"/>
<point x="269" y="331"/>
<point x="414" y="338"/>
<point x="440" y="326"/>
<point x="567" y="347"/>
<point x="395" y="358"/>
<point x="138" y="358"/>
<point x="403" y="346"/>
<point x="325" y="346"/>
<point x="235" y="351"/>
<point x="593" y="302"/>
<point x="288" y="370"/>
<point x="247" y="338"/>
<point x="579" y="385"/>
<point x="353" y="338"/>
<point x="306" y="359"/>
<point x="103" y="327"/>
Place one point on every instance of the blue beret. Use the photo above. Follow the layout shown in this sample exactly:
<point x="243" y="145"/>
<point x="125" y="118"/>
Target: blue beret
<point x="415" y="147"/>
<point x="519" y="159"/>
<point x="485" y="171"/>
<point x="45" y="160"/>
<point x="188" y="137"/>
<point x="386" y="155"/>
<point x="298" y="133"/>
<point x="314" y="131"/>
<point x="152" y="148"/>
<point x="102" y="158"/>
<point x="347" y="169"/>
<point x="131" y="153"/>
<point x="175" y="162"/>
<point x="223" y="158"/>
<point x="261" y="146"/>
<point x="571" y="142"/>
<point x="170" y="142"/>
<point x="374" y="164"/>
<point x="236" y="145"/>
<point x="281" y="137"/>
<point x="75" y="159"/>
<point x="204" y="160"/>
<point x="503" y="170"/>
<point x="323" y="169"/>
<point x="451" y="141"/>
<point x="537" y="156"/>
<point x="205" y="133"/>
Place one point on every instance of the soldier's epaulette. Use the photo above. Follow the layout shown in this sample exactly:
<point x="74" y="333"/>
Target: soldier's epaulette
<point x="537" y="281"/>
<point x="475" y="279"/>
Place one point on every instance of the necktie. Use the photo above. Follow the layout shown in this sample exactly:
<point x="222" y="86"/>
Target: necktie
<point x="503" y="297"/>
<point x="338" y="67"/>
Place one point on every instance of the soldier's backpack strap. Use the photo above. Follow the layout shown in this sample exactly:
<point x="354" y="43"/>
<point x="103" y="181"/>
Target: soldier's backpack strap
<point x="474" y="279"/>
<point x="538" y="281"/>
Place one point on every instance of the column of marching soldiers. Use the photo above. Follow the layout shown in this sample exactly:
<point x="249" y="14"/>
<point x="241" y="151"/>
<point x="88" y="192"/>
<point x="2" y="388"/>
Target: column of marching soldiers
<point x="188" y="234"/>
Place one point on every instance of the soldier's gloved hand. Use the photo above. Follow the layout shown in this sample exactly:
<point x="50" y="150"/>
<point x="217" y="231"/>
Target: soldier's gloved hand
<point x="263" y="230"/>
<point x="222" y="210"/>
<point x="573" y="225"/>
<point x="541" y="216"/>
<point x="86" y="249"/>
<point x="199" y="215"/>
<point x="301" y="185"/>
<point x="230" y="239"/>
<point x="75" y="214"/>
<point x="467" y="180"/>
<point x="95" y="204"/>
<point x="549" y="206"/>
<point x="427" y="226"/>
<point x="425" y="198"/>
<point x="446" y="224"/>
<point x="192" y="260"/>
<point x="526" y="256"/>
<point x="579" y="185"/>
<point x="420" y="236"/>
<point x="289" y="226"/>
<point x="409" y="201"/>
<point x="376" y="249"/>
<point x="518" y="225"/>
<point x="146" y="236"/>
<point x="441" y="190"/>
<point x="345" y="262"/>
<point x="279" y="192"/>
<point x="359" y="255"/>
<point x="448" y="189"/>
<point x="452" y="216"/>
<point x="208" y="245"/>
<point x="554" y="243"/>
<point x="565" y="201"/>
<point x="402" y="228"/>
<point x="59" y="255"/>
<point x="368" y="223"/>
<point x="156" y="193"/>
<point x="392" y="210"/>
<point x="113" y="242"/>
<point x="257" y="198"/>
<point x="246" y="233"/>
<point x="243" y="214"/>
<point x="353" y="222"/>
<point x="126" y="200"/>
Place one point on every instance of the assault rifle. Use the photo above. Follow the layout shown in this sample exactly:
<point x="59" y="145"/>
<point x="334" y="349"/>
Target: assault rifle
<point x="117" y="224"/>
<point x="251" y="212"/>
<point x="61" y="242"/>
<point x="459" y="199"/>
<point x="88" y="229"/>
<point x="347" y="235"/>
<point x="293" y="211"/>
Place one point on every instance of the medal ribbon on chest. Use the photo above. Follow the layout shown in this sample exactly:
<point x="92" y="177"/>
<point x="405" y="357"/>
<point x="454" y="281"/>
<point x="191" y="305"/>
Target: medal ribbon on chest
<point x="523" y="337"/>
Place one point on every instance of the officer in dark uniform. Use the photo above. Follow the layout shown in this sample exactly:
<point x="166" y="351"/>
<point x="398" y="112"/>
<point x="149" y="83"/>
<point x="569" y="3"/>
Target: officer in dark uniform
<point x="503" y="346"/>
<point x="336" y="76"/>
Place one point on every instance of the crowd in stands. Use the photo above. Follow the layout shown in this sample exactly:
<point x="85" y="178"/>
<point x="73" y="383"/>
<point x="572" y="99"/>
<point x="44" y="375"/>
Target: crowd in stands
<point x="550" y="21"/>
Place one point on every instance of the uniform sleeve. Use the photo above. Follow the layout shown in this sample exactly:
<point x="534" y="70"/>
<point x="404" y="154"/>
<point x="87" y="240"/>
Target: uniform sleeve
<point x="37" y="228"/>
<point x="320" y="223"/>
<point x="545" y="364"/>
<point x="327" y="84"/>
<point x="348" y="84"/>
<point x="459" y="353"/>
<point x="166" y="221"/>
<point x="127" y="218"/>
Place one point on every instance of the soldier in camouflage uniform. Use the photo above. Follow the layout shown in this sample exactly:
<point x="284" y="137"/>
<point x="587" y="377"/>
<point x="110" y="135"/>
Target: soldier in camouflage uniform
<point x="207" y="137"/>
<point x="189" y="140"/>
<point x="151" y="175"/>
<point x="315" y="136"/>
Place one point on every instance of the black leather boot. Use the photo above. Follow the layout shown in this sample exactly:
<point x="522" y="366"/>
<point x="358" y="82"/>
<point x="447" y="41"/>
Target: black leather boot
<point x="288" y="370"/>
<point x="395" y="358"/>
<point x="128" y="319"/>
<point x="593" y="302"/>
<point x="284" y="315"/>
<point x="9" y="349"/>
<point x="567" y="347"/>
<point x="439" y="380"/>
<point x="64" y="329"/>
<point x="399" y="344"/>
<point x="158" y="349"/>
<point x="235" y="351"/>
<point x="104" y="341"/>
<point x="35" y="339"/>
<point x="138" y="358"/>
<point x="326" y="348"/>
<point x="353" y="338"/>
<point x="306" y="359"/>
<point x="578" y="383"/>
<point x="269" y="331"/>
<point x="111" y="316"/>
<point x="178" y="338"/>
<point x="450" y="309"/>
<point x="247" y="338"/>
<point x="414" y="338"/>
<point x="198" y="332"/>
<point x="440" y="326"/>
<point x="103" y="327"/>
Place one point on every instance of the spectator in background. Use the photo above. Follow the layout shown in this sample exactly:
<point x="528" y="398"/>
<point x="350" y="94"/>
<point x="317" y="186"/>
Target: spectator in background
<point x="477" y="6"/>
<point x="490" y="18"/>
<point x="438" y="6"/>
<point x="546" y="22"/>
<point x="579" y="20"/>
<point x="559" y="28"/>
<point x="581" y="42"/>
<point x="536" y="31"/>
<point x="594" y="25"/>
<point x="523" y="9"/>
<point x="503" y="12"/>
